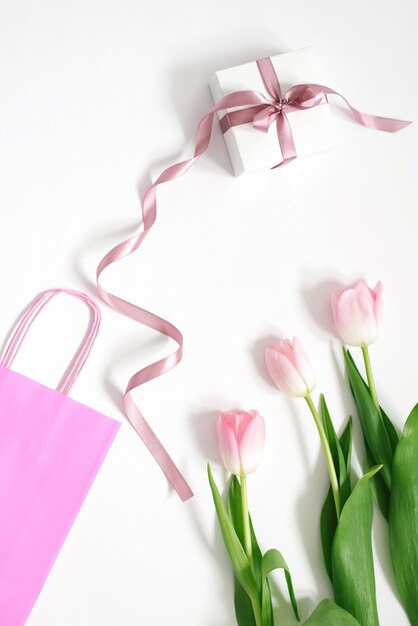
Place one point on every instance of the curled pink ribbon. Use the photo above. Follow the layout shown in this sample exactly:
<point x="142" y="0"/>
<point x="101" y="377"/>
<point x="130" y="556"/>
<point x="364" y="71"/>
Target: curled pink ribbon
<point x="261" y="112"/>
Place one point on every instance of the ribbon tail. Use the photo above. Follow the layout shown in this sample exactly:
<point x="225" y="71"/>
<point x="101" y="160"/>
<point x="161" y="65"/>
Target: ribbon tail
<point x="376" y="122"/>
<point x="142" y="316"/>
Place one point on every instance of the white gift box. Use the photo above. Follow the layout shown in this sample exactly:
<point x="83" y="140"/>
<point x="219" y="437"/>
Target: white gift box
<point x="312" y="129"/>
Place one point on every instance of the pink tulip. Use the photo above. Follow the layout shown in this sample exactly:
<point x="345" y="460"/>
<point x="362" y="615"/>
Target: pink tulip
<point x="241" y="440"/>
<point x="290" y="368"/>
<point x="357" y="313"/>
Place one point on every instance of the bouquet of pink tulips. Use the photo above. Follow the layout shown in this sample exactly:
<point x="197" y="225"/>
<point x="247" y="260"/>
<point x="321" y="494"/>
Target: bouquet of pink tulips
<point x="390" y="476"/>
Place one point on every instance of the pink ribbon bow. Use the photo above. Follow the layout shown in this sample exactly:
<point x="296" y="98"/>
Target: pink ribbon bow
<point x="297" y="98"/>
<point x="261" y="112"/>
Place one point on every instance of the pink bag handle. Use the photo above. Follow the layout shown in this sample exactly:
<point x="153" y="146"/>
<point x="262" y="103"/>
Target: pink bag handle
<point x="82" y="353"/>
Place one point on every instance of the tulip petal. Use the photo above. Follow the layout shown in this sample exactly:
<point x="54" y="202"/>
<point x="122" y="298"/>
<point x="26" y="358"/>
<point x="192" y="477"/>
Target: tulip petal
<point x="285" y="346"/>
<point x="361" y="287"/>
<point x="377" y="294"/>
<point x="284" y="373"/>
<point x="251" y="444"/>
<point x="242" y="421"/>
<point x="303" y="364"/>
<point x="366" y="317"/>
<point x="357" y="313"/>
<point x="355" y="319"/>
<point x="228" y="445"/>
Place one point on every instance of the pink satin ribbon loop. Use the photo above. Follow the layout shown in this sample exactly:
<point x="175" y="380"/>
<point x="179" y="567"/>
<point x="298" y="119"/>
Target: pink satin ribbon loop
<point x="249" y="107"/>
<point x="264" y="118"/>
<point x="299" y="97"/>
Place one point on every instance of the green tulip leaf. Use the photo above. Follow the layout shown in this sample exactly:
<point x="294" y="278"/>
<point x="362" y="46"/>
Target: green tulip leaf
<point x="352" y="555"/>
<point x="341" y="453"/>
<point x="373" y="425"/>
<point x="390" y="428"/>
<point x="391" y="431"/>
<point x="403" y="517"/>
<point x="266" y="605"/>
<point x="380" y="489"/>
<point x="235" y="513"/>
<point x="334" y="443"/>
<point x="263" y="565"/>
<point x="327" y="613"/>
<point x="328" y="525"/>
<point x="233" y="545"/>
<point x="378" y="486"/>
<point x="243" y="606"/>
<point x="346" y="442"/>
<point x="272" y="560"/>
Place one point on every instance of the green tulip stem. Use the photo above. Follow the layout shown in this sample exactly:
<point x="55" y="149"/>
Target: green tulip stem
<point x="328" y="455"/>
<point x="246" y="521"/>
<point x="257" y="612"/>
<point x="370" y="378"/>
<point x="248" y="545"/>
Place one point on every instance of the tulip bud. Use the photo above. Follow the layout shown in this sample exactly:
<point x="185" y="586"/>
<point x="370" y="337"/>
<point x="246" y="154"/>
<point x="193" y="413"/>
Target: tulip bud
<point x="290" y="368"/>
<point x="357" y="313"/>
<point x="241" y="440"/>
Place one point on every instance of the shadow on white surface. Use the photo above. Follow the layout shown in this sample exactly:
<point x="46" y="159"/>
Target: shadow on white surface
<point x="258" y="352"/>
<point x="19" y="314"/>
<point x="308" y="509"/>
<point x="204" y="428"/>
<point x="283" y="612"/>
<point x="300" y="427"/>
<point x="101" y="243"/>
<point x="216" y="547"/>
<point x="317" y="299"/>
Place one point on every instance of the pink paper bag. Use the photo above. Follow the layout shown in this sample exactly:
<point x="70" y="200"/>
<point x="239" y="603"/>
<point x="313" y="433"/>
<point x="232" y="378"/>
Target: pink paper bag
<point x="51" y="448"/>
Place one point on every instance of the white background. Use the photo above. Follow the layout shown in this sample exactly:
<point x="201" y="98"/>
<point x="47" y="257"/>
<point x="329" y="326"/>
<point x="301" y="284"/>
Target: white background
<point x="95" y="98"/>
